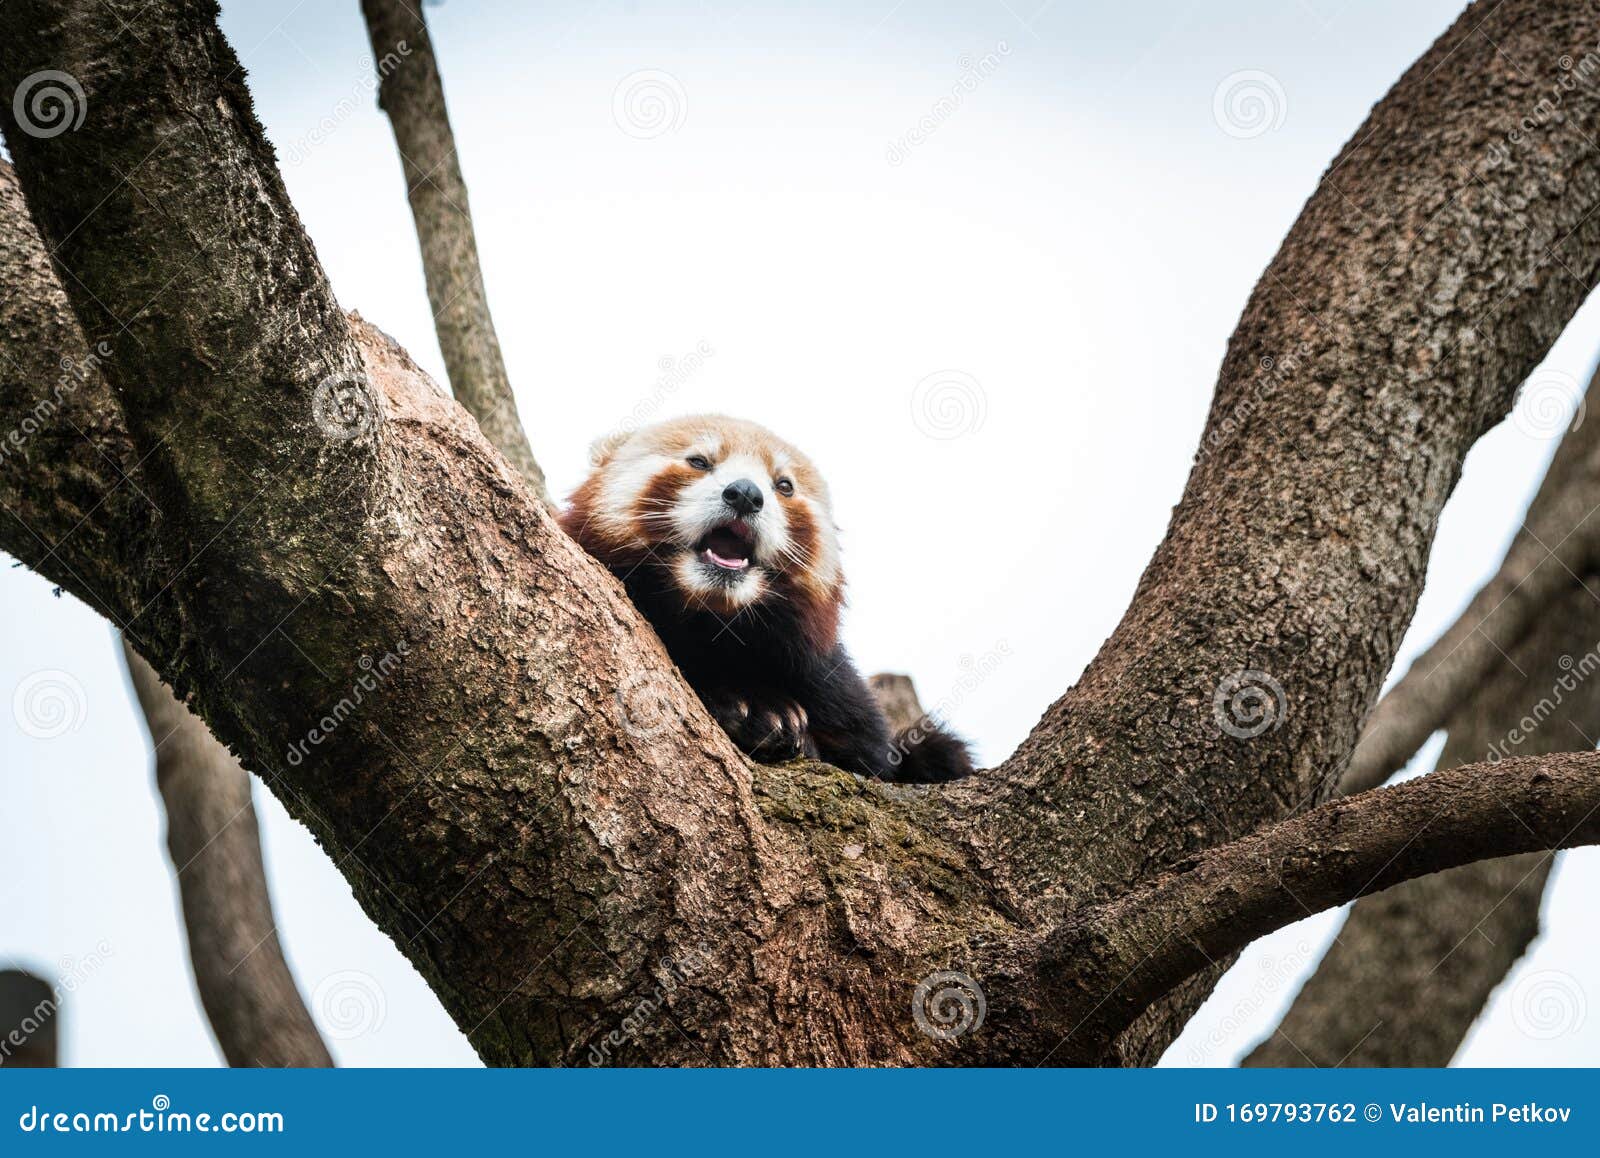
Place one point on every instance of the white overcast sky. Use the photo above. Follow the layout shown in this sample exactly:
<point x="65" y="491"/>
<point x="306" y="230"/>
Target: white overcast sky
<point x="1065" y="256"/>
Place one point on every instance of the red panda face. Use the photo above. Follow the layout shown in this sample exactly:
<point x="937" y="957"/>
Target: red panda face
<point x="731" y="514"/>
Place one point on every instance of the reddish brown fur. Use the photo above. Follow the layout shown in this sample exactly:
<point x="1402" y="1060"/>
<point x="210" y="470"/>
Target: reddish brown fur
<point x="657" y="498"/>
<point x="818" y="603"/>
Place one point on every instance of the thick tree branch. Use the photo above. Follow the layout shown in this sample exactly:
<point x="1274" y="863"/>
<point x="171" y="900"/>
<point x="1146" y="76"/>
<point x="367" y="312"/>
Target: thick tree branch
<point x="66" y="459"/>
<point x="463" y="707"/>
<point x="1558" y="541"/>
<point x="1412" y="968"/>
<point x="411" y="92"/>
<point x="64" y="415"/>
<point x="1115" y="958"/>
<point x="249" y="995"/>
<point x="1417" y="289"/>
<point x="534" y="805"/>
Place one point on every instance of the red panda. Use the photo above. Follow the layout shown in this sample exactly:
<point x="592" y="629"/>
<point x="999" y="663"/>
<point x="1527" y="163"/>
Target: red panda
<point x="723" y="535"/>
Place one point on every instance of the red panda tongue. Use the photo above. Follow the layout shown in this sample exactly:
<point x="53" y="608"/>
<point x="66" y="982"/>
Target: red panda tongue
<point x="726" y="549"/>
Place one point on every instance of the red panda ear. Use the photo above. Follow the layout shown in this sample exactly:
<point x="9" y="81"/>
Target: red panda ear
<point x="606" y="445"/>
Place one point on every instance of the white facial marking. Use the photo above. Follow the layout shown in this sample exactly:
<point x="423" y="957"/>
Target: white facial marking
<point x="701" y="509"/>
<point x="682" y="524"/>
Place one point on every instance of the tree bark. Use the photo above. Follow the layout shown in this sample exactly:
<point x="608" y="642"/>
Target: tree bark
<point x="1417" y="289"/>
<point x="533" y="803"/>
<point x="1559" y="541"/>
<point x="411" y="92"/>
<point x="1411" y="969"/>
<point x="897" y="696"/>
<point x="1116" y="958"/>
<point x="60" y="413"/>
<point x="250" y="997"/>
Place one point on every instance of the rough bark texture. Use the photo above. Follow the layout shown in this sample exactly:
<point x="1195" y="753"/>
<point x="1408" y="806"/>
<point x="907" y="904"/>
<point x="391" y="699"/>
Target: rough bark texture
<point x="250" y="997"/>
<point x="1114" y="959"/>
<point x="1559" y="541"/>
<point x="62" y="417"/>
<point x="531" y="802"/>
<point x="411" y="92"/>
<point x="28" y="1010"/>
<point x="1412" y="968"/>
<point x="68" y="461"/>
<point x="1417" y="289"/>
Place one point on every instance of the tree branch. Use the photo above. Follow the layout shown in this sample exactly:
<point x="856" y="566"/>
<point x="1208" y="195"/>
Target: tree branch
<point x="411" y="92"/>
<point x="1412" y="968"/>
<point x="897" y="696"/>
<point x="249" y="995"/>
<point x="1558" y="541"/>
<point x="1114" y="959"/>
<point x="465" y="709"/>
<point x="1373" y="352"/>
<point x="68" y="459"/>
<point x="96" y="507"/>
<point x="532" y="803"/>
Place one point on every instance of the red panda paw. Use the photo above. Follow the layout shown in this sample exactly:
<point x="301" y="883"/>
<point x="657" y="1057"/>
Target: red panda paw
<point x="766" y="726"/>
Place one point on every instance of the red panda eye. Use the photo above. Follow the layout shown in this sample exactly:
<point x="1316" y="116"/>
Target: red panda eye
<point x="699" y="462"/>
<point x="784" y="487"/>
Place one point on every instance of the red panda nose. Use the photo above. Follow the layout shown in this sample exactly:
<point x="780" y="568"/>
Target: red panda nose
<point x="743" y="496"/>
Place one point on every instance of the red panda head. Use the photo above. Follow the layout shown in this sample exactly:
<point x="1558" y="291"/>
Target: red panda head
<point x="730" y="514"/>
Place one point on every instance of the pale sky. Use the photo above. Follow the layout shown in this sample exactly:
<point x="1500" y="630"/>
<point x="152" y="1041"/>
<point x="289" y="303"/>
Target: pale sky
<point x="953" y="251"/>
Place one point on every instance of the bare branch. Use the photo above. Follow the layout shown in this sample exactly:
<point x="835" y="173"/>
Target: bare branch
<point x="897" y="696"/>
<point x="249" y="995"/>
<point x="533" y="796"/>
<point x="59" y="411"/>
<point x="1112" y="960"/>
<point x="1559" y="540"/>
<point x="411" y="92"/>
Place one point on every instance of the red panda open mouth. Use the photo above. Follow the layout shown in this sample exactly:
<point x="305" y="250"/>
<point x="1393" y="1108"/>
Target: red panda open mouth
<point x="728" y="546"/>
